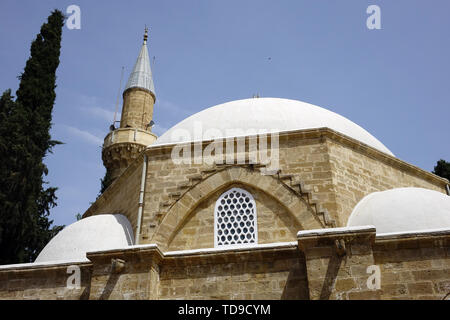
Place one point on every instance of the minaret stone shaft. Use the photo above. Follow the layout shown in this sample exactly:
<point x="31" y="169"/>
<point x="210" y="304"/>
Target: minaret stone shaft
<point x="123" y="145"/>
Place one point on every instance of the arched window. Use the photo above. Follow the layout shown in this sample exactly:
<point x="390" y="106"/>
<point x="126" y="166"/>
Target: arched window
<point x="235" y="219"/>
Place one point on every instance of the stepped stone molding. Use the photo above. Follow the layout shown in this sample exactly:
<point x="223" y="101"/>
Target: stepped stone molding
<point x="198" y="187"/>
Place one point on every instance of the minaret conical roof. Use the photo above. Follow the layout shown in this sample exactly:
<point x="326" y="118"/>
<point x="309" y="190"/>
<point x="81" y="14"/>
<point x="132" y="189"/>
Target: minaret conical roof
<point x="141" y="77"/>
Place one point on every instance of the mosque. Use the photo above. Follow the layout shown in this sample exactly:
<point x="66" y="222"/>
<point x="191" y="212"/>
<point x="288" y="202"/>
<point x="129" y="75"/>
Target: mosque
<point x="261" y="198"/>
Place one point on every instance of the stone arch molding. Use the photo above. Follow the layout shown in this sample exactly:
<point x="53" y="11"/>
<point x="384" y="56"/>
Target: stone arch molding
<point x="188" y="202"/>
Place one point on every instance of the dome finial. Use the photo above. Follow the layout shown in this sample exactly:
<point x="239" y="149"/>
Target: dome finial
<point x="145" y="34"/>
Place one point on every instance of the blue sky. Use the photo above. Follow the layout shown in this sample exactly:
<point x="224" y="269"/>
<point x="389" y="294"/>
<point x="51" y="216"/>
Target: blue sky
<point x="393" y="82"/>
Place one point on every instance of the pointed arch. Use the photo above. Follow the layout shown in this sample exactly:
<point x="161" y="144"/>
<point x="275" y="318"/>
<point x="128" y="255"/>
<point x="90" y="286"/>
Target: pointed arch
<point x="192" y="198"/>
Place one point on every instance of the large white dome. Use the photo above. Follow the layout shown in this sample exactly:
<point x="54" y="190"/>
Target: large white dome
<point x="402" y="210"/>
<point x="263" y="115"/>
<point x="95" y="233"/>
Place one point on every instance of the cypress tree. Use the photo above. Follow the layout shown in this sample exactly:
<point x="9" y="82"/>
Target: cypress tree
<point x="442" y="169"/>
<point x="105" y="182"/>
<point x="25" y="123"/>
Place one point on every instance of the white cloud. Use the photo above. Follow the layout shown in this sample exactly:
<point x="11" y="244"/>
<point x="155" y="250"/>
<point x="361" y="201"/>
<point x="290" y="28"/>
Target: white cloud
<point x="104" y="114"/>
<point x="158" y="130"/>
<point x="93" y="106"/>
<point x="166" y="115"/>
<point x="85" y="135"/>
<point x="172" y="108"/>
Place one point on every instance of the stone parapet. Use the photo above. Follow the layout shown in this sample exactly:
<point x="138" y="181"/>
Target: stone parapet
<point x="323" y="264"/>
<point x="337" y="260"/>
<point x="414" y="265"/>
<point x="44" y="281"/>
<point x="133" y="135"/>
<point x="272" y="271"/>
<point x="129" y="273"/>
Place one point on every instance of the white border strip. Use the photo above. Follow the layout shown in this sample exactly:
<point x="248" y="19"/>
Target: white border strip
<point x="330" y="231"/>
<point x="291" y="244"/>
<point x="406" y="234"/>
<point x="55" y="263"/>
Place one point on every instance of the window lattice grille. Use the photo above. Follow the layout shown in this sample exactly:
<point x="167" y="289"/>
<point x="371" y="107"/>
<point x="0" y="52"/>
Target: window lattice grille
<point x="235" y="218"/>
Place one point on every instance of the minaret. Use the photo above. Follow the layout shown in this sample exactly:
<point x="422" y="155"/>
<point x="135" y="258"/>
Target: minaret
<point x="123" y="145"/>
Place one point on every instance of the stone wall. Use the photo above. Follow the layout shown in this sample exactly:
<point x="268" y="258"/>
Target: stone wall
<point x="304" y="160"/>
<point x="337" y="261"/>
<point x="275" y="224"/>
<point x="416" y="267"/>
<point x="163" y="179"/>
<point x="334" y="176"/>
<point x="125" y="274"/>
<point x="247" y="274"/>
<point x="412" y="266"/>
<point x="322" y="174"/>
<point x="327" y="264"/>
<point x="48" y="282"/>
<point x="145" y="273"/>
<point x="137" y="110"/>
<point x="122" y="197"/>
<point x="357" y="173"/>
<point x="304" y="155"/>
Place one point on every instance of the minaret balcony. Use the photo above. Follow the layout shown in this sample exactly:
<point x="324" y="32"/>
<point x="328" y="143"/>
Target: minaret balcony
<point x="131" y="135"/>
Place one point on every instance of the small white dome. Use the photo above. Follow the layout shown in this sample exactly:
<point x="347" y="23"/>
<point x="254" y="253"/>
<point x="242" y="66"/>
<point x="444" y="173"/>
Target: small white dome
<point x="263" y="115"/>
<point x="95" y="233"/>
<point x="403" y="209"/>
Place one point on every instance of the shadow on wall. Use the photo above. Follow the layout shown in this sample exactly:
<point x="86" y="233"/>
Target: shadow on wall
<point x="109" y="286"/>
<point x="123" y="221"/>
<point x="296" y="287"/>
<point x="334" y="264"/>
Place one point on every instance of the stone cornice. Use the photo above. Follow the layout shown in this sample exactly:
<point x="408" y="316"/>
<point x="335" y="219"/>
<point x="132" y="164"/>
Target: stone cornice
<point x="144" y="252"/>
<point x="414" y="239"/>
<point x="129" y="135"/>
<point x="230" y="255"/>
<point x="327" y="237"/>
<point x="151" y="252"/>
<point x="321" y="133"/>
<point x="52" y="265"/>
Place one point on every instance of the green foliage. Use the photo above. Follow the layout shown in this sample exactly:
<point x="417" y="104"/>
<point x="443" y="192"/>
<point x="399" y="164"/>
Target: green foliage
<point x="442" y="169"/>
<point x="105" y="182"/>
<point x="25" y="123"/>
